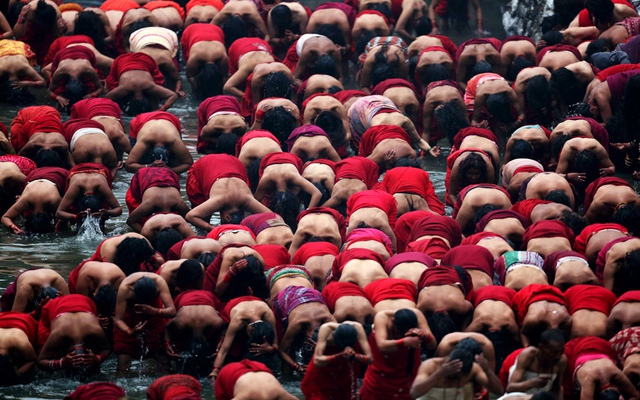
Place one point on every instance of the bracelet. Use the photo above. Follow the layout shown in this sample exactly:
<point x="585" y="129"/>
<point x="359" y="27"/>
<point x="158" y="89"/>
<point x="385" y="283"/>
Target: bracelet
<point x="400" y="343"/>
<point x="21" y="19"/>
<point x="362" y="358"/>
<point x="228" y="277"/>
<point x="53" y="96"/>
<point x="331" y="358"/>
<point x="428" y="339"/>
<point x="215" y="372"/>
<point x="100" y="358"/>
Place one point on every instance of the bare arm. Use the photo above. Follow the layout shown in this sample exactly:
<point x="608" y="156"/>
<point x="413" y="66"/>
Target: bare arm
<point x="169" y="96"/>
<point x="308" y="188"/>
<point x="182" y="159"/>
<point x="67" y="201"/>
<point x="20" y="207"/>
<point x="143" y="211"/>
<point x="227" y="342"/>
<point x="201" y="215"/>
<point x="233" y="84"/>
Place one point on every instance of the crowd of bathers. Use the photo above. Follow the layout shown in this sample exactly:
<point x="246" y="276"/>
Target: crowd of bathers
<point x="331" y="258"/>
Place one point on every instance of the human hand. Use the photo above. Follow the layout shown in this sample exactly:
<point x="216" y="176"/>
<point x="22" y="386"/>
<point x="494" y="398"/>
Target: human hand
<point x="16" y="229"/>
<point x="104" y="322"/>
<point x="576" y="177"/>
<point x="411" y="342"/>
<point x="63" y="102"/>
<point x="158" y="163"/>
<point x="137" y="329"/>
<point x="169" y="349"/>
<point x="621" y="146"/>
<point x="181" y="94"/>
<point x="450" y="367"/>
<point x="482" y="362"/>
<point x="238" y="266"/>
<point x="605" y="172"/>
<point x="261" y="348"/>
<point x="348" y="352"/>
<point x="435" y="151"/>
<point x="145" y="309"/>
<point x="539" y="381"/>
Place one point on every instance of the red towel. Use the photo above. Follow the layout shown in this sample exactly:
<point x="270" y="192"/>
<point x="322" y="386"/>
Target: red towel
<point x="119" y="5"/>
<point x="598" y="131"/>
<point x="196" y="298"/>
<point x="376" y="134"/>
<point x="632" y="296"/>
<point x="146" y="178"/>
<point x="175" y="386"/>
<point x="156" y="4"/>
<point x="477" y="237"/>
<point x="261" y="221"/>
<point x="558" y="47"/>
<point x="280" y="158"/>
<point x="360" y="168"/>
<point x="492" y="41"/>
<point x="25" y="322"/>
<point x="518" y="38"/>
<point x="56" y="175"/>
<point x="404" y="225"/>
<point x="506" y="366"/>
<point x="532" y="293"/>
<point x="220" y="229"/>
<point x="62" y="43"/>
<point x="259" y="133"/>
<point x="230" y="373"/>
<point x="342" y="225"/>
<point x="209" y="107"/>
<point x="32" y="120"/>
<point x="470" y="257"/>
<point x="72" y="303"/>
<point x="387" y="84"/>
<point x="73" y="53"/>
<point x="96" y="107"/>
<point x="408" y="257"/>
<point x="193" y="3"/>
<point x="336" y="290"/>
<point x="346" y="95"/>
<point x="500" y="214"/>
<point x="589" y="297"/>
<point x="207" y="170"/>
<point x="582" y="346"/>
<point x="199" y="32"/>
<point x="374" y="199"/>
<point x="547" y="229"/>
<point x="551" y="261"/>
<point x="90" y="168"/>
<point x="273" y="255"/>
<point x="593" y="187"/>
<point x="582" y="240"/>
<point x="353" y="254"/>
<point x="140" y="120"/>
<point x="495" y="293"/>
<point x="414" y="181"/>
<point x="602" y="256"/>
<point x="225" y="313"/>
<point x="313" y="249"/>
<point x="525" y="207"/>
<point x="74" y="125"/>
<point x="97" y="390"/>
<point x="243" y="46"/>
<point x="390" y="289"/>
<point x="443" y="275"/>
<point x="472" y="131"/>
<point x="438" y="225"/>
<point x="451" y="160"/>
<point x="133" y="62"/>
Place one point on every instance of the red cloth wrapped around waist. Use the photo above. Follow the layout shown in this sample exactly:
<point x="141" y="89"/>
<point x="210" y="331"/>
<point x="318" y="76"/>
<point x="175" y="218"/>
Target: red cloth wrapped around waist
<point x="404" y="225"/>
<point x="119" y="5"/>
<point x="243" y="46"/>
<point x="199" y="32"/>
<point x="551" y="261"/>
<point x="390" y="289"/>
<point x="602" y="255"/>
<point x="360" y="168"/>
<point x="443" y="275"/>
<point x="56" y="175"/>
<point x="492" y="41"/>
<point x="133" y="62"/>
<point x="414" y="181"/>
<point x="219" y="230"/>
<point x="525" y="207"/>
<point x="153" y="333"/>
<point x="408" y="257"/>
<point x="72" y="303"/>
<point x="62" y="43"/>
<point x="280" y="158"/>
<point x="495" y="293"/>
<point x="334" y="291"/>
<point x="97" y="390"/>
<point x="373" y="199"/>
<point x="150" y="177"/>
<point x="313" y="249"/>
<point x="366" y="235"/>
<point x="582" y="240"/>
<point x="437" y="225"/>
<point x="225" y="313"/>
<point x="632" y="296"/>
<point x="176" y="250"/>
<point x="196" y="298"/>
<point x="140" y="120"/>
<point x="259" y="133"/>
<point x="90" y="168"/>
<point x="589" y="297"/>
<point x="376" y="134"/>
<point x="96" y="107"/>
<point x="434" y="247"/>
<point x="214" y="3"/>
<point x="156" y="4"/>
<point x="73" y="277"/>
<point x="207" y="170"/>
<point x="273" y="255"/>
<point x="531" y="294"/>
<point x="558" y="47"/>
<point x="73" y="53"/>
<point x="597" y="184"/>
<point x="547" y="229"/>
<point x="340" y="221"/>
<point x="32" y="120"/>
<point x="25" y="322"/>
<point x="353" y="254"/>
<point x="74" y="125"/>
<point x="175" y="386"/>
<point x="473" y="131"/>
<point x="526" y="169"/>
<point x="470" y="257"/>
<point x="229" y="375"/>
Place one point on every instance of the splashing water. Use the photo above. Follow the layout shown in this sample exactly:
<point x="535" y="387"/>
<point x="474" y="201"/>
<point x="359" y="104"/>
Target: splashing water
<point x="90" y="230"/>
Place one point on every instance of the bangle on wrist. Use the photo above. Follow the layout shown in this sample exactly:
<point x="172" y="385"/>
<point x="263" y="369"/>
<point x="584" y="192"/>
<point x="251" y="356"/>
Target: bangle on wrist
<point x="228" y="277"/>
<point x="400" y="343"/>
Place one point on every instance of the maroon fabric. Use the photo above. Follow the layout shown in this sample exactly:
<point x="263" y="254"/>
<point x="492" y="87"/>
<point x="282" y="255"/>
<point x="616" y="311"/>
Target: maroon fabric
<point x="582" y="240"/>
<point x="441" y="275"/>
<point x="90" y="168"/>
<point x="261" y="221"/>
<point x="413" y="181"/>
<point x="307" y="130"/>
<point x="133" y="62"/>
<point x="97" y="390"/>
<point x="582" y="346"/>
<point x="146" y="178"/>
<point x="96" y="107"/>
<point x="492" y="41"/>
<point x="204" y="173"/>
<point x="280" y="158"/>
<point x="360" y="168"/>
<point x="547" y="229"/>
<point x="525" y="207"/>
<point x="404" y="225"/>
<point x="216" y="232"/>
<point x="258" y="133"/>
<point x="589" y="297"/>
<point x="500" y="214"/>
<point x="387" y="84"/>
<point x="477" y="237"/>
<point x="408" y="257"/>
<point x="72" y="303"/>
<point x="470" y="257"/>
<point x="336" y="290"/>
<point x="73" y="53"/>
<point x="62" y="43"/>
<point x="346" y="95"/>
<point x="210" y="106"/>
<point x="558" y="47"/>
<point x="176" y="250"/>
<point x="495" y="293"/>
<point x="229" y="375"/>
<point x="196" y="298"/>
<point x="376" y="134"/>
<point x="593" y="187"/>
<point x="390" y="289"/>
<point x="437" y="225"/>
<point x="368" y="234"/>
<point x="56" y="175"/>
<point x="531" y="294"/>
<point x="551" y="261"/>
<point x="598" y="131"/>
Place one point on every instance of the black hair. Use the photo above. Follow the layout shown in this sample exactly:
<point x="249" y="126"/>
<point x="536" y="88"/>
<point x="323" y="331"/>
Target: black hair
<point x="558" y="196"/>
<point x="600" y="10"/>
<point x="38" y="223"/>
<point x="472" y="161"/>
<point x="609" y="393"/>
<point x="499" y="106"/>
<point x="538" y="94"/>
<point x="407" y="162"/>
<point x="45" y="14"/>
<point x="550" y="22"/>
<point x="522" y="149"/>
<point x="404" y="320"/>
<point x="552" y="335"/>
<point x="189" y="275"/>
<point x="251" y="277"/>
<point x="234" y="28"/>
<point x="345" y="335"/>
<point x="450" y="119"/>
<point x="226" y="144"/>
<point x="206" y="258"/>
<point x="334" y="89"/>
<point x="137" y="106"/>
<point x="89" y="202"/>
<point x="46" y="292"/>
<point x="484" y="210"/>
<point x="48" y="158"/>
<point x="434" y="73"/>
<point x="236" y="217"/>
<point x="441" y="324"/>
<point x="6" y="200"/>
<point x="277" y="84"/>
<point x="552" y="38"/>
<point x="583" y="110"/>
<point x="105" y="299"/>
<point x="332" y="32"/>
<point x="629" y="217"/>
<point x="331" y="123"/>
<point x="423" y="26"/>
<point x="261" y="332"/>
<point x="558" y="144"/>
<point x="543" y="396"/>
<point x="8" y="374"/>
<point x="503" y="345"/>
<point x="282" y="19"/>
<point x="208" y="81"/>
<point x="279" y="122"/>
<point x="14" y="13"/>
<point x="383" y="9"/>
<point x="89" y="23"/>
<point x="287" y="205"/>
<point x="480" y="67"/>
<point x="413" y="63"/>
<point x="627" y="277"/>
<point x="471" y="345"/>
<point x="140" y="24"/>
<point x="630" y="104"/>
<point x="382" y="68"/>
<point x="365" y="37"/>
<point x="196" y="360"/>
<point x="305" y="198"/>
<point x="253" y="173"/>
<point x="160" y="153"/>
<point x="599" y="46"/>
<point x="565" y="87"/>
<point x="573" y="220"/>
<point x="465" y="356"/>
<point x="586" y="162"/>
<point x="130" y="253"/>
<point x="518" y="64"/>
<point x="15" y="95"/>
<point x="166" y="238"/>
<point x="326" y="65"/>
<point x="145" y="290"/>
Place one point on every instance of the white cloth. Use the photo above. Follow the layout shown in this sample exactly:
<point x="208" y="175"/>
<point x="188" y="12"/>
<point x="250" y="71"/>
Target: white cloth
<point x="83" y="132"/>
<point x="302" y="39"/>
<point x="532" y="375"/>
<point x="154" y="36"/>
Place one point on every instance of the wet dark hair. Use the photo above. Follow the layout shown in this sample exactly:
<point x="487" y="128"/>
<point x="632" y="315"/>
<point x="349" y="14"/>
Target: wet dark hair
<point x="8" y="375"/>
<point x="382" y="68"/>
<point x="383" y="9"/>
<point x="287" y="205"/>
<point x="573" y="220"/>
<point x="365" y="37"/>
<point x="629" y="217"/>
<point x="450" y="119"/>
<point x="503" y="345"/>
<point x="627" y="277"/>
<point x="407" y="162"/>
<point x="471" y="345"/>
<point x="45" y="14"/>
<point x="14" y="95"/>
<point x="261" y="332"/>
<point x="565" y="87"/>
<point x="236" y="217"/>
<point x="404" y="320"/>
<point x="253" y="173"/>
<point x="277" y="84"/>
<point x="345" y="335"/>
<point x="206" y="258"/>
<point x="326" y="65"/>
<point x="189" y="275"/>
<point x="279" y="122"/>
<point x="252" y="277"/>
<point x="139" y="24"/>
<point x="599" y="46"/>
<point x="334" y="89"/>
<point x="543" y="396"/>
<point x="234" y="28"/>
<point x="472" y="161"/>
<point x="600" y="10"/>
<point x="610" y="393"/>
<point x="38" y="223"/>
<point x="282" y="19"/>
<point x="145" y="290"/>
<point x="89" y="23"/>
<point x="484" y="210"/>
<point x="552" y="335"/>
<point x="196" y="360"/>
<point x="522" y="149"/>
<point x="558" y="196"/>
<point x="48" y="158"/>
<point x="558" y="144"/>
<point x="166" y="238"/>
<point x="434" y="73"/>
<point x="226" y="144"/>
<point x="423" y="26"/>
<point x="465" y="356"/>
<point x="130" y="253"/>
<point x="105" y="299"/>
<point x="332" y="32"/>
<point x="586" y="162"/>
<point x="89" y="201"/>
<point x="480" y="67"/>
<point x="538" y="94"/>
<point x="47" y="291"/>
<point x="208" y="81"/>
<point x="499" y="106"/>
<point x="331" y="123"/>
<point x="137" y="106"/>
<point x="552" y="37"/>
<point x="518" y="64"/>
<point x="305" y="198"/>
<point x="441" y="324"/>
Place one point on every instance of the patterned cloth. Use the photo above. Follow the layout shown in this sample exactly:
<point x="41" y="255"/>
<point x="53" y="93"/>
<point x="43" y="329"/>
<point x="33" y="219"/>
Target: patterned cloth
<point x="362" y="112"/>
<point x="625" y="343"/>
<point x="292" y="297"/>
<point x="17" y="48"/>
